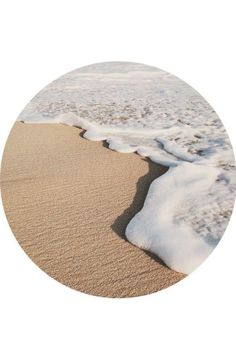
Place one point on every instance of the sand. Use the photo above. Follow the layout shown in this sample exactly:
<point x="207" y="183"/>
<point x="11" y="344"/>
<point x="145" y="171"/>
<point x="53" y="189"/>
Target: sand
<point x="68" y="201"/>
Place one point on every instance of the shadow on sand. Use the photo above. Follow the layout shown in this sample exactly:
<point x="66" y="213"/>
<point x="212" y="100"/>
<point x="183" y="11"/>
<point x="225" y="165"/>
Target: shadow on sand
<point x="142" y="186"/>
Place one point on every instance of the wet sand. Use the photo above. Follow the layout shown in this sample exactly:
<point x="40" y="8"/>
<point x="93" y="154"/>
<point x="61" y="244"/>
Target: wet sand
<point x="68" y="201"/>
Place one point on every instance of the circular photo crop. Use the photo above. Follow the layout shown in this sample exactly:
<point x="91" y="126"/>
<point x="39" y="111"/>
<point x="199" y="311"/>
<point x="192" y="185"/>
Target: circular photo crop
<point x="118" y="179"/>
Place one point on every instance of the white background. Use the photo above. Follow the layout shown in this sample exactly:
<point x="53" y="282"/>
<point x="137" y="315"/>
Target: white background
<point x="42" y="40"/>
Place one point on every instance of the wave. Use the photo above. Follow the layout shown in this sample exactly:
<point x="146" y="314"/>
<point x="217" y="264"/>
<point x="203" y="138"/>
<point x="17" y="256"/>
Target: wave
<point x="137" y="108"/>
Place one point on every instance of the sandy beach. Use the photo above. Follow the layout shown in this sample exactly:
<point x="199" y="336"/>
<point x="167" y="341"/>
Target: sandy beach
<point x="68" y="201"/>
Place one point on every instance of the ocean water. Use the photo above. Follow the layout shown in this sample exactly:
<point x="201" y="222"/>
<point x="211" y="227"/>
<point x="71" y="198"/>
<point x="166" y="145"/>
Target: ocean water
<point x="137" y="108"/>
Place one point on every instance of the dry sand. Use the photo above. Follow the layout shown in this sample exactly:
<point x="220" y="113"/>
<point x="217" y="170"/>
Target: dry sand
<point x="68" y="201"/>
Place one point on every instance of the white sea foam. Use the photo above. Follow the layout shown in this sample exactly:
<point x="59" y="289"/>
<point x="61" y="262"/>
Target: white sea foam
<point x="137" y="108"/>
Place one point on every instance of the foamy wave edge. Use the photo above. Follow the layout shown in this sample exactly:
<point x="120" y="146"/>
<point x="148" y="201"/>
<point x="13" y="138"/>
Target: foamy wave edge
<point x="154" y="228"/>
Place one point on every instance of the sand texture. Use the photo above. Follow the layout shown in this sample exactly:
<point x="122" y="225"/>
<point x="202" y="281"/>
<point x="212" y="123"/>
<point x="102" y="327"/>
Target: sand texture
<point x="68" y="201"/>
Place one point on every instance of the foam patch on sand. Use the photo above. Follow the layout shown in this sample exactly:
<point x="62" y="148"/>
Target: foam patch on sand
<point x="137" y="108"/>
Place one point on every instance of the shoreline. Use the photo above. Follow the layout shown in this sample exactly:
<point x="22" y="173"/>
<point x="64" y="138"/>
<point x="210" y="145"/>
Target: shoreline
<point x="68" y="201"/>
